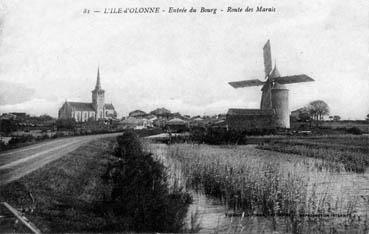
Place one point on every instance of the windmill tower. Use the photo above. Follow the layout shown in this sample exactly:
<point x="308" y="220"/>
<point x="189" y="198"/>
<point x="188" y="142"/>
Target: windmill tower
<point x="274" y="92"/>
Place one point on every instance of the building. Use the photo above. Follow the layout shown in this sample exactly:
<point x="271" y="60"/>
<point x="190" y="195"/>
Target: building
<point x="137" y="114"/>
<point x="161" y="113"/>
<point x="136" y="123"/>
<point x="274" y="106"/>
<point x="249" y="119"/>
<point x="297" y="114"/>
<point x="83" y="111"/>
<point x="176" y="125"/>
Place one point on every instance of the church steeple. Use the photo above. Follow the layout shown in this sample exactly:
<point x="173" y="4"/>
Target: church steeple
<point x="98" y="97"/>
<point x="98" y="84"/>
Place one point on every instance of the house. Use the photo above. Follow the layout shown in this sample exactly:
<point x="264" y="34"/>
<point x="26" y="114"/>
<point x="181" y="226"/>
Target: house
<point x="137" y="114"/>
<point x="136" y="123"/>
<point x="161" y="112"/>
<point x="176" y="125"/>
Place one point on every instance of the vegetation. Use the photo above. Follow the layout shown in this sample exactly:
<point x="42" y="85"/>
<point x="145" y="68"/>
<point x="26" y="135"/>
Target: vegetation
<point x="66" y="124"/>
<point x="318" y="109"/>
<point x="141" y="194"/>
<point x="23" y="140"/>
<point x="355" y="131"/>
<point x="7" y="126"/>
<point x="215" y="136"/>
<point x="335" y="118"/>
<point x="148" y="132"/>
<point x="352" y="151"/>
<point x="100" y="187"/>
<point x="256" y="183"/>
<point x="222" y="136"/>
<point x="62" y="196"/>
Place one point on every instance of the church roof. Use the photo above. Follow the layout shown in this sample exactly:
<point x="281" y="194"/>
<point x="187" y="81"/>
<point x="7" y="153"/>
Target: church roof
<point x="109" y="106"/>
<point x="81" y="106"/>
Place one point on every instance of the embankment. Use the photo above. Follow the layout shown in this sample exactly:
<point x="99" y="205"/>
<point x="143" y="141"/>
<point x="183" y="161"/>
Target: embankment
<point x="60" y="196"/>
<point x="103" y="186"/>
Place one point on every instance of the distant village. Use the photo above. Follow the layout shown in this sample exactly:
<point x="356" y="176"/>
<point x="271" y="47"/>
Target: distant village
<point x="273" y="117"/>
<point x="81" y="118"/>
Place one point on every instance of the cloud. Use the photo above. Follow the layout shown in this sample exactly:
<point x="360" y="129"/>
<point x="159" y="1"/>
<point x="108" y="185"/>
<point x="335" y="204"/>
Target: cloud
<point x="14" y="93"/>
<point x="182" y="62"/>
<point x="35" y="106"/>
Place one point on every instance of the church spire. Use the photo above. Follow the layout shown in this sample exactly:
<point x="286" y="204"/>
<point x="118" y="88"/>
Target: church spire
<point x="98" y="85"/>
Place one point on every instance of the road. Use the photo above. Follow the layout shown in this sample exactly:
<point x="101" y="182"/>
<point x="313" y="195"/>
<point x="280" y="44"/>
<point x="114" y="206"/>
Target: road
<point x="17" y="163"/>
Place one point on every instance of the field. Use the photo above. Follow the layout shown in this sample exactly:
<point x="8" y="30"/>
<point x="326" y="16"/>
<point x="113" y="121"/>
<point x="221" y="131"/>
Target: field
<point x="293" y="193"/>
<point x="349" y="150"/>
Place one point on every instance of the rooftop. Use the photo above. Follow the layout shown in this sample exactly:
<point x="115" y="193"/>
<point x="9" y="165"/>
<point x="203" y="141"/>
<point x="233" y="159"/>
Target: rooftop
<point x="81" y="106"/>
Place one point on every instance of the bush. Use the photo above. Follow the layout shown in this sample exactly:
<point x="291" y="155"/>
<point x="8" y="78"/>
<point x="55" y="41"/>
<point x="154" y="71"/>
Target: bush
<point x="148" y="132"/>
<point x="3" y="146"/>
<point x="354" y="130"/>
<point x="21" y="139"/>
<point x="43" y="137"/>
<point x="215" y="136"/>
<point x="141" y="193"/>
<point x="58" y="134"/>
<point x="68" y="124"/>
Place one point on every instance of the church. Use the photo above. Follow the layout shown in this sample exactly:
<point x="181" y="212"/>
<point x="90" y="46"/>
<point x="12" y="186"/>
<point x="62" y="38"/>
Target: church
<point x="83" y="111"/>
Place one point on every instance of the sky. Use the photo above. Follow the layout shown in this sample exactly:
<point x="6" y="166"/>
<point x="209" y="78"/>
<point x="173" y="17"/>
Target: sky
<point x="50" y="51"/>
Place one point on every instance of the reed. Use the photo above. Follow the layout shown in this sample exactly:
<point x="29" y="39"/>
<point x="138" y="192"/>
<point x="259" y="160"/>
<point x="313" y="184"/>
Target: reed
<point x="271" y="185"/>
<point x="348" y="150"/>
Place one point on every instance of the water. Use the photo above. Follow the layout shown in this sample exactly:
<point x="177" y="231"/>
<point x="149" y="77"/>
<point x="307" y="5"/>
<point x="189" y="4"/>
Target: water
<point x="338" y="184"/>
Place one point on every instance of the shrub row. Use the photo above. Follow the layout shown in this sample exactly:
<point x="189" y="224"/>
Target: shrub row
<point x="140" y="190"/>
<point x="221" y="136"/>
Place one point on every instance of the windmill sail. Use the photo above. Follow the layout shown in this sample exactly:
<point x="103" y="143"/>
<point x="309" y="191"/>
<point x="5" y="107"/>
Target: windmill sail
<point x="245" y="83"/>
<point x="268" y="66"/>
<point x="293" y="79"/>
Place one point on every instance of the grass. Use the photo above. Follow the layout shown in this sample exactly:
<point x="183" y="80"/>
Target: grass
<point x="60" y="196"/>
<point x="264" y="183"/>
<point x="352" y="151"/>
<point x="141" y="194"/>
<point x="106" y="185"/>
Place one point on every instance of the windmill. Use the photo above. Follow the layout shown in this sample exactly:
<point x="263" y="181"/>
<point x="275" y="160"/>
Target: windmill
<point x="274" y="92"/>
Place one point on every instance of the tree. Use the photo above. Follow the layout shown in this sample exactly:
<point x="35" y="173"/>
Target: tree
<point x="336" y="118"/>
<point x="8" y="125"/>
<point x="45" y="117"/>
<point x="318" y="109"/>
<point x="367" y="117"/>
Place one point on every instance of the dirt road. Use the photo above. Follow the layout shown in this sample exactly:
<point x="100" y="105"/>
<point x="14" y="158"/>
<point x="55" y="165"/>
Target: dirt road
<point x="18" y="162"/>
